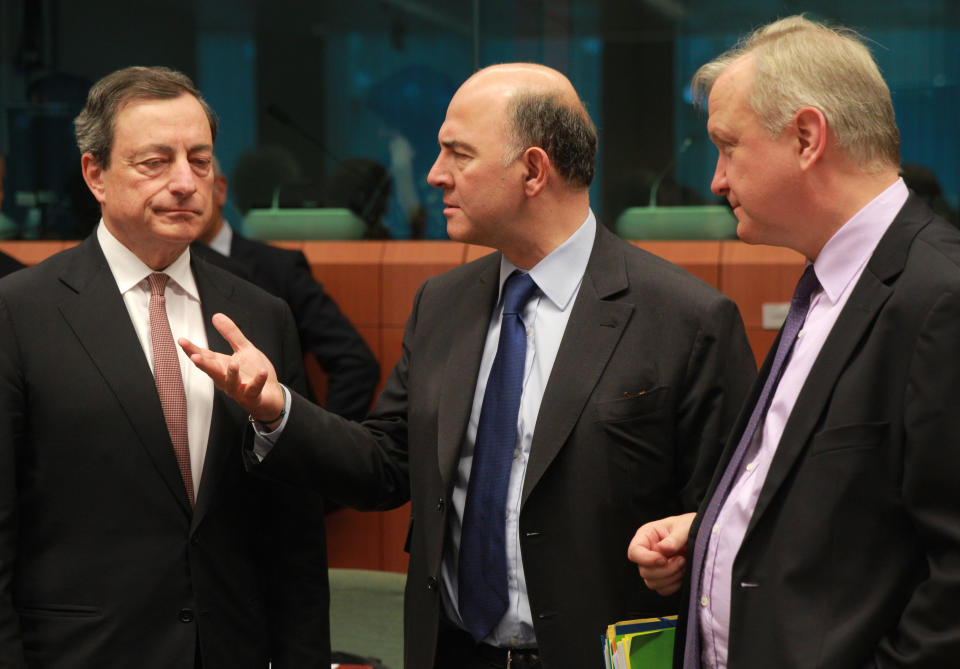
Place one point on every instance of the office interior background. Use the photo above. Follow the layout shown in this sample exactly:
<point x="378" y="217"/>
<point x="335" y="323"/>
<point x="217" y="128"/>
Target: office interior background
<point x="329" y="103"/>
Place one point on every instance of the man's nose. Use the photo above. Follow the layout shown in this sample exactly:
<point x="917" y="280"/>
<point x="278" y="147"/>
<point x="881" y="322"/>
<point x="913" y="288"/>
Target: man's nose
<point x="183" y="179"/>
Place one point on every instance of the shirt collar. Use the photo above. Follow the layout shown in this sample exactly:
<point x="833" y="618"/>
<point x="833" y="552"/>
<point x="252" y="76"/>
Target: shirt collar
<point x="128" y="270"/>
<point x="221" y="242"/>
<point x="559" y="274"/>
<point x="847" y="252"/>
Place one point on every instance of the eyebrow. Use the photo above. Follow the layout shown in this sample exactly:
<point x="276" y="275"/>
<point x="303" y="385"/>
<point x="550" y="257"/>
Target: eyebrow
<point x="165" y="148"/>
<point x="457" y="145"/>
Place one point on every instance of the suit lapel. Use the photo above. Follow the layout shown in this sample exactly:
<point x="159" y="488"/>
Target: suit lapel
<point x="216" y="296"/>
<point x="470" y="319"/>
<point x="577" y="368"/>
<point x="99" y="319"/>
<point x="874" y="287"/>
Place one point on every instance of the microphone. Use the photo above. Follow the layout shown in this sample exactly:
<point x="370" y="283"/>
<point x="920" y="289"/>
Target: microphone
<point x="655" y="186"/>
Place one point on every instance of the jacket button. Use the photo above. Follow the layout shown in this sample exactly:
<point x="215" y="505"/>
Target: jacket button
<point x="431" y="583"/>
<point x="186" y="615"/>
<point x="441" y="505"/>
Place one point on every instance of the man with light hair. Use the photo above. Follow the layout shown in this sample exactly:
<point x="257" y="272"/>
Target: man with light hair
<point x="830" y="536"/>
<point x="547" y="396"/>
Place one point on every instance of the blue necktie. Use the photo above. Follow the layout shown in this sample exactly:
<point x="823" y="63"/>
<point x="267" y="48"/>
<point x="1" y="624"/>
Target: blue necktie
<point x="791" y="327"/>
<point x="482" y="573"/>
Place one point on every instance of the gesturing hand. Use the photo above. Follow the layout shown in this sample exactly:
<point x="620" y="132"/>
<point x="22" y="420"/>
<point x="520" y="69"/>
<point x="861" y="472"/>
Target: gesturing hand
<point x="247" y="376"/>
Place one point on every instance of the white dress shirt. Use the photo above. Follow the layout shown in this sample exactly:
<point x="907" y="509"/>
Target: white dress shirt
<point x="838" y="268"/>
<point x="558" y="277"/>
<point x="186" y="320"/>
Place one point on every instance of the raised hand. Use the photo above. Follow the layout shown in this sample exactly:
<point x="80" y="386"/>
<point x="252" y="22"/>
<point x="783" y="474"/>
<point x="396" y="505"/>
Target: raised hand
<point x="247" y="376"/>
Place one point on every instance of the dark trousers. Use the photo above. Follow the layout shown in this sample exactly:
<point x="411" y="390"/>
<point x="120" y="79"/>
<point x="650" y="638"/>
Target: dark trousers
<point x="456" y="649"/>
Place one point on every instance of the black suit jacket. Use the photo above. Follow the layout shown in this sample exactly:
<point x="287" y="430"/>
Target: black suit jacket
<point x="8" y="264"/>
<point x="852" y="557"/>
<point x="102" y="562"/>
<point x="352" y="370"/>
<point x="651" y="370"/>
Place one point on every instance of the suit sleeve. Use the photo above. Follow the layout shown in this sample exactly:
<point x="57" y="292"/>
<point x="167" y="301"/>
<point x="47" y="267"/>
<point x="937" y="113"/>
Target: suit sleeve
<point x="12" y="392"/>
<point x="360" y="465"/>
<point x="352" y="370"/>
<point x="295" y="552"/>
<point x="928" y="632"/>
<point x="720" y="371"/>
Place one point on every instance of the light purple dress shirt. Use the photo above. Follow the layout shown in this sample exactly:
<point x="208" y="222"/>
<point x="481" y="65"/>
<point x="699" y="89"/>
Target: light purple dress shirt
<point x="838" y="267"/>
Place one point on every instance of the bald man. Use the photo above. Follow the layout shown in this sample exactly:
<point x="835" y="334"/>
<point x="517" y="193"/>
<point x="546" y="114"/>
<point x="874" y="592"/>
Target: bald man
<point x="549" y="396"/>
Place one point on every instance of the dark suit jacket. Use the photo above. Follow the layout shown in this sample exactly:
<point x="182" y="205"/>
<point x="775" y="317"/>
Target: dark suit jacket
<point x="852" y="557"/>
<point x="352" y="370"/>
<point x="8" y="264"/>
<point x="102" y="563"/>
<point x="651" y="370"/>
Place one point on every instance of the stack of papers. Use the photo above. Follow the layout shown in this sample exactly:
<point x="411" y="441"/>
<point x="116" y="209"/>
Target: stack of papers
<point x="640" y="644"/>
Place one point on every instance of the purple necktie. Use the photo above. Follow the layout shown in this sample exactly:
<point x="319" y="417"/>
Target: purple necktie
<point x="482" y="573"/>
<point x="795" y="318"/>
<point x="166" y="375"/>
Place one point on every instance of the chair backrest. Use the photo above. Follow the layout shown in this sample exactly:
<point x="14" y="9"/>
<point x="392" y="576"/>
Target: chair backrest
<point x="366" y="614"/>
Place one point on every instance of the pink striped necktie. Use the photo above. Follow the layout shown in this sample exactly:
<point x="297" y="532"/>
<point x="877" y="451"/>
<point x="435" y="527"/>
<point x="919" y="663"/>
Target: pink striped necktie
<point x="166" y="374"/>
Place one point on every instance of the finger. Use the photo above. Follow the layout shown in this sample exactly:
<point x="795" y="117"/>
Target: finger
<point x="254" y="387"/>
<point x="646" y="558"/>
<point x="671" y="545"/>
<point x="230" y="331"/>
<point x="210" y="363"/>
<point x="231" y="381"/>
<point x="189" y="347"/>
<point x="667" y="572"/>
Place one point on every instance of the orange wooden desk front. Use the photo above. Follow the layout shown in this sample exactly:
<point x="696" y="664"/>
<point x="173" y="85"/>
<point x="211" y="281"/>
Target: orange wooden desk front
<point x="375" y="282"/>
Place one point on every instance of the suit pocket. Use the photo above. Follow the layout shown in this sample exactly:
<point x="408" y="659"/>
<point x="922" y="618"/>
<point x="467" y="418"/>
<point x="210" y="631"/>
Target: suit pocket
<point x="631" y="406"/>
<point x="848" y="437"/>
<point x="54" y="635"/>
<point x="60" y="611"/>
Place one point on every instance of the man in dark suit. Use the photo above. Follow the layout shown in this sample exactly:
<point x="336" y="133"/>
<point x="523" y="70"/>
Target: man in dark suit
<point x="9" y="265"/>
<point x="130" y="535"/>
<point x="627" y="378"/>
<point x="352" y="370"/>
<point x="831" y="534"/>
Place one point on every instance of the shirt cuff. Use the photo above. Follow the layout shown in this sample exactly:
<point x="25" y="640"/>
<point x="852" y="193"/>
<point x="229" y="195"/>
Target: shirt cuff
<point x="263" y="439"/>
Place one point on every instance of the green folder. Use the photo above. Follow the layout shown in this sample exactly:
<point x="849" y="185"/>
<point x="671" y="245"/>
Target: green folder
<point x="640" y="644"/>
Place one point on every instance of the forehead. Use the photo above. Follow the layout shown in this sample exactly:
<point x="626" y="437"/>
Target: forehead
<point x="173" y="122"/>
<point x="727" y="103"/>
<point x="476" y="116"/>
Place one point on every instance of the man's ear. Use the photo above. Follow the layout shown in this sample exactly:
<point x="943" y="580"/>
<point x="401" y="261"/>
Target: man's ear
<point x="537" y="168"/>
<point x="93" y="175"/>
<point x="220" y="190"/>
<point x="811" y="130"/>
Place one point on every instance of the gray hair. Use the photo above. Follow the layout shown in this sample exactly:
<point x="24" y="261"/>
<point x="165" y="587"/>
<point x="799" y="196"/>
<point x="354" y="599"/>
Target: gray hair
<point x="94" y="126"/>
<point x="801" y="63"/>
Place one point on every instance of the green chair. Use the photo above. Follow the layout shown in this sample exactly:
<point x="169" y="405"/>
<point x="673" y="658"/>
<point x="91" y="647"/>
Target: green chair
<point x="366" y="614"/>
<point x="276" y="223"/>
<point x="700" y="222"/>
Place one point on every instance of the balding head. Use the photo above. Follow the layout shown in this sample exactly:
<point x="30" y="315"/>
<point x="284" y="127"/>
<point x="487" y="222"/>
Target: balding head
<point x="540" y="108"/>
<point x="517" y="152"/>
